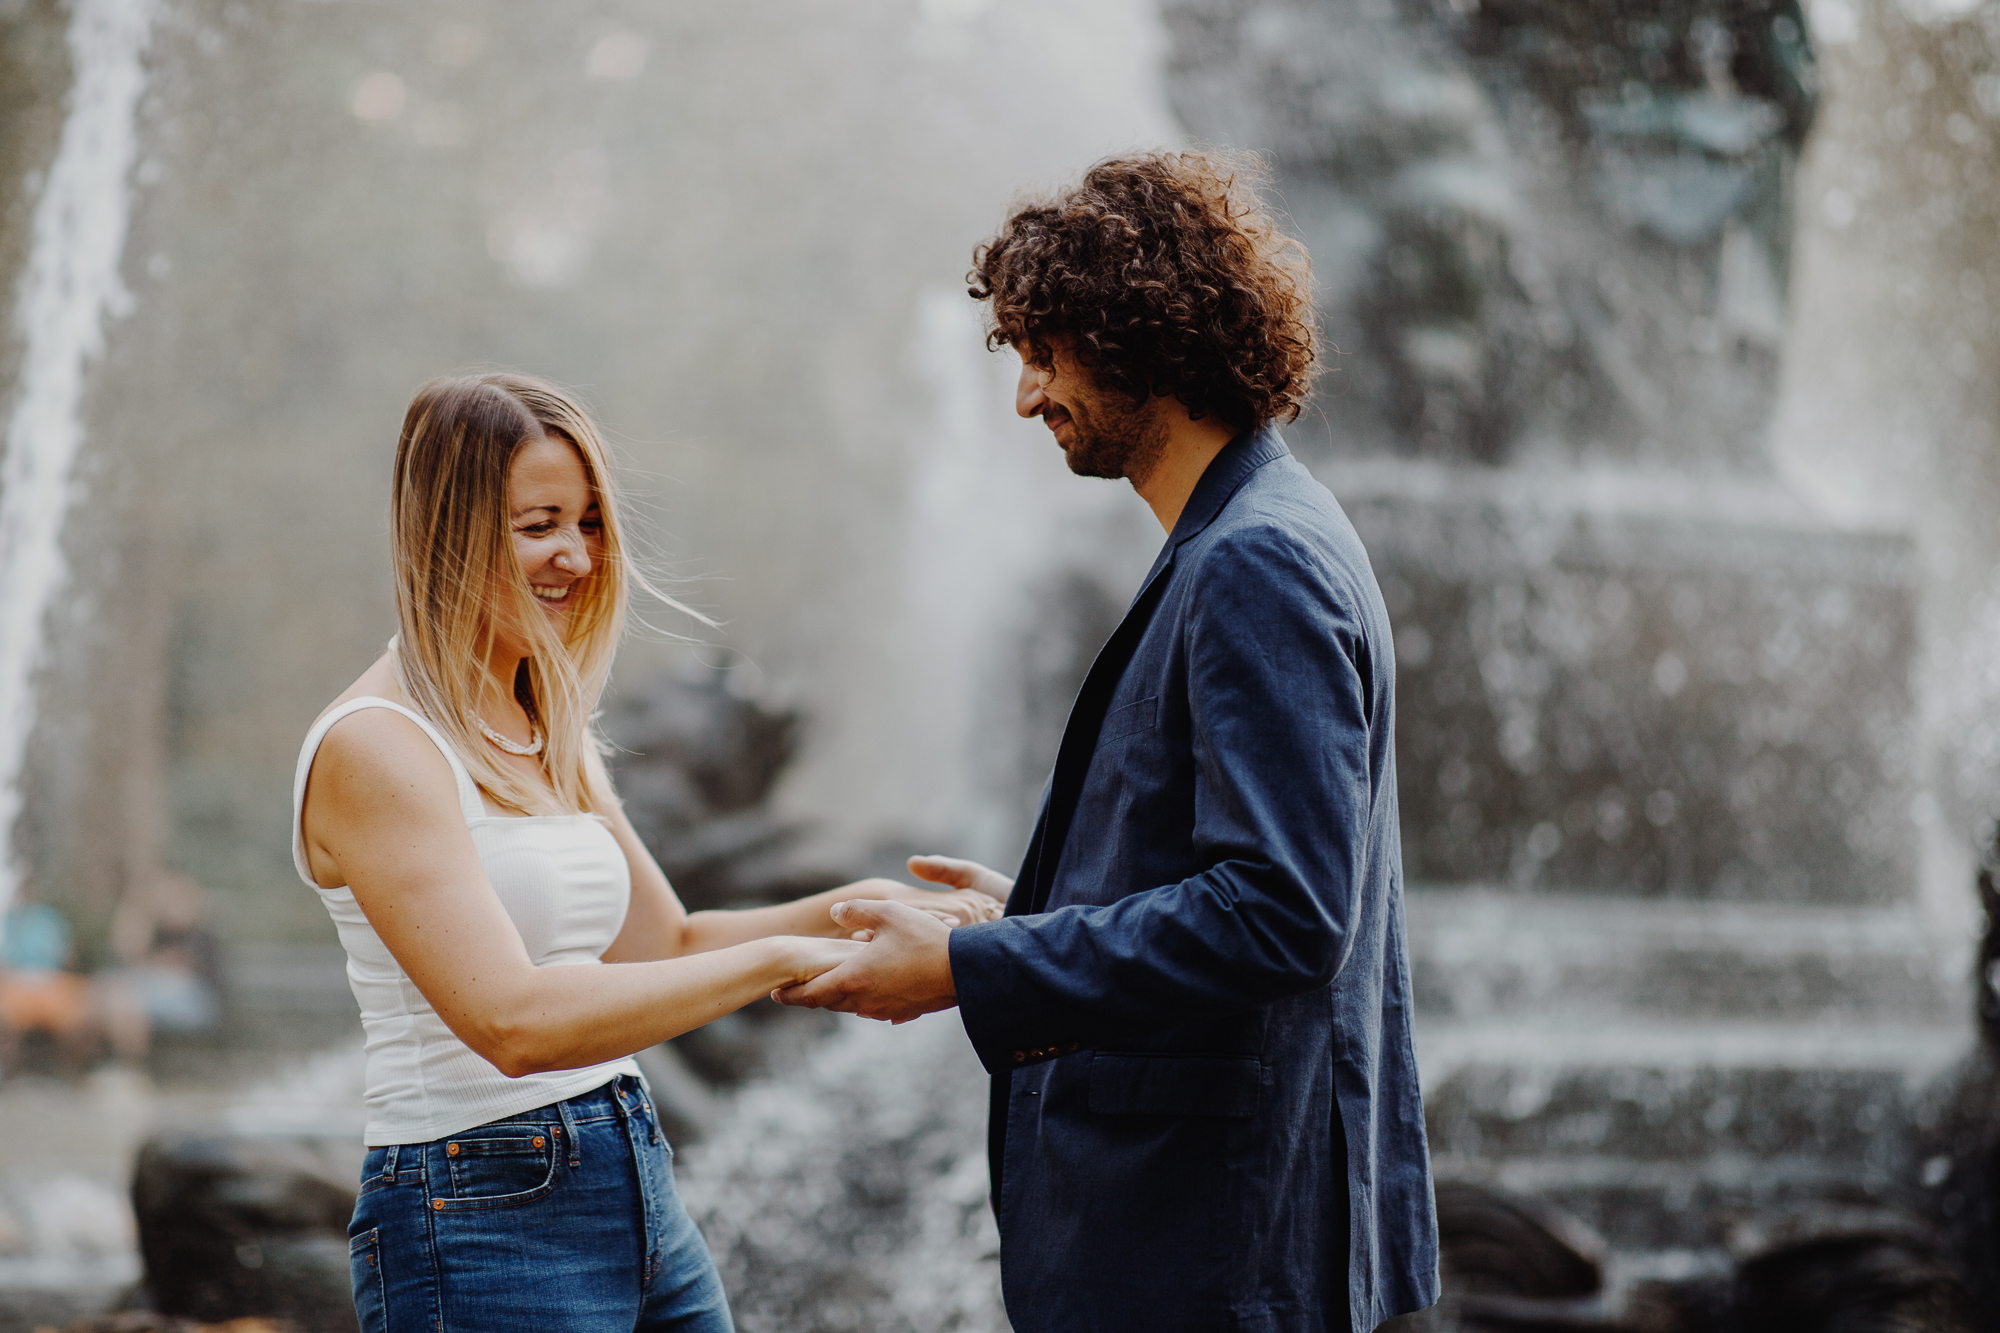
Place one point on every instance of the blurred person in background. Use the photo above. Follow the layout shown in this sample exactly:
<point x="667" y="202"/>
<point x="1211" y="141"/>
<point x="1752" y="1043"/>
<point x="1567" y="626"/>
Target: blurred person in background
<point x="169" y="977"/>
<point x="39" y="989"/>
<point x="1205" y="1112"/>
<point x="453" y="810"/>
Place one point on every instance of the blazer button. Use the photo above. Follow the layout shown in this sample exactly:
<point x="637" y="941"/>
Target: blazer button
<point x="1020" y="1057"/>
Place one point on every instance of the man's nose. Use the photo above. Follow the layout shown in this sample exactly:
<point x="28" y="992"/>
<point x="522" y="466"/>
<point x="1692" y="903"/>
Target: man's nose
<point x="1029" y="400"/>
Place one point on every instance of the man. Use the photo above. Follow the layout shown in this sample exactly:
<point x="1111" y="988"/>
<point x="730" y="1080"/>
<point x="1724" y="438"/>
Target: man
<point x="1196" y="1011"/>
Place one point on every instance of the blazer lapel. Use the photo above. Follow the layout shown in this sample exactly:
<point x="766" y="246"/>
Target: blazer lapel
<point x="1230" y="468"/>
<point x="1079" y="742"/>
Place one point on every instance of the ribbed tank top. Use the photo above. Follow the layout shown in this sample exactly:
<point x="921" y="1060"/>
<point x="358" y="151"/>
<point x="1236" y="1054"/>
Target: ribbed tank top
<point x="563" y="880"/>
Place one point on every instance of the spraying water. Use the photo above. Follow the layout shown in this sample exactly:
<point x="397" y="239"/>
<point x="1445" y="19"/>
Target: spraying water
<point x="70" y="285"/>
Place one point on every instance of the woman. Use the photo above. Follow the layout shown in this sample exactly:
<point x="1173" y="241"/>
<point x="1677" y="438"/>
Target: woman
<point x="454" y="812"/>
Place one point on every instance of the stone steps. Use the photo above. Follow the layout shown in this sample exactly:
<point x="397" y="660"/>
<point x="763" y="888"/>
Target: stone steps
<point x="1477" y="954"/>
<point x="1670" y="1096"/>
<point x="1665" y="1070"/>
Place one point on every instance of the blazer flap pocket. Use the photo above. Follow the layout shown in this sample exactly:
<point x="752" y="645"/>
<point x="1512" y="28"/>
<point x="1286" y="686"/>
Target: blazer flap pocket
<point x="1134" y="1083"/>
<point x="1132" y="717"/>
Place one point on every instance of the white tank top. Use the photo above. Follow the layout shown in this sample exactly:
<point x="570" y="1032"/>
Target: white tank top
<point x="564" y="881"/>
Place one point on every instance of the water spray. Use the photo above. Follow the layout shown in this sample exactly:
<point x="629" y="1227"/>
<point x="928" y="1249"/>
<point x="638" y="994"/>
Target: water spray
<point x="71" y="284"/>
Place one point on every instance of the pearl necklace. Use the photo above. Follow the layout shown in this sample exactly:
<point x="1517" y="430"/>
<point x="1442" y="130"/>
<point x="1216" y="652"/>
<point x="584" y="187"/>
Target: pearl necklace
<point x="534" y="747"/>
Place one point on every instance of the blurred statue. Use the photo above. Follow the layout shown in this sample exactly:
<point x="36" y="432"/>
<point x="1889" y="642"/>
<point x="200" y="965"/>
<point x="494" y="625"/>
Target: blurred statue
<point x="1550" y="229"/>
<point x="1553" y="238"/>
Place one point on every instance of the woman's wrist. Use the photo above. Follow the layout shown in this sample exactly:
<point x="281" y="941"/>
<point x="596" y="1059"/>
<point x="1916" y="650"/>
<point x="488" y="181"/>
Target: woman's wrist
<point x="813" y="915"/>
<point x="790" y="960"/>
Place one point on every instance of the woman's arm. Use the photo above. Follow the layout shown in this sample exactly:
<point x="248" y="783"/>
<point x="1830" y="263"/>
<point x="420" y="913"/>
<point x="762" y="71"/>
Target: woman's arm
<point x="658" y="926"/>
<point x="382" y="816"/>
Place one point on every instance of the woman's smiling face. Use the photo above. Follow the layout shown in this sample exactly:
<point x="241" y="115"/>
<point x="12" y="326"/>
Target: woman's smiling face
<point x="558" y="536"/>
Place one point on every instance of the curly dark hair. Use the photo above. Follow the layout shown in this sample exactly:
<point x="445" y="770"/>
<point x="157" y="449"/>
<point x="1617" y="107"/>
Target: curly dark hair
<point x="1170" y="276"/>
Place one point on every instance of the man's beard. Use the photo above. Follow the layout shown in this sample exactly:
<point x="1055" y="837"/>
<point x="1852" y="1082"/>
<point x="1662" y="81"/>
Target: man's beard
<point x="1116" y="439"/>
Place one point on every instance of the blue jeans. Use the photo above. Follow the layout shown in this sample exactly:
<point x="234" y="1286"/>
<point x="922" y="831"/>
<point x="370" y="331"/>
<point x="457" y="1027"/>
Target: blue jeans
<point x="565" y="1217"/>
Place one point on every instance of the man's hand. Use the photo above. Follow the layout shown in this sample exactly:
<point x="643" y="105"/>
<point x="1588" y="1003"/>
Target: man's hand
<point x="904" y="972"/>
<point x="962" y="875"/>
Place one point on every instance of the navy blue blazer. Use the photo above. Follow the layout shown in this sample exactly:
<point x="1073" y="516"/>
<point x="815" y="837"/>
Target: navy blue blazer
<point x="1197" y="1009"/>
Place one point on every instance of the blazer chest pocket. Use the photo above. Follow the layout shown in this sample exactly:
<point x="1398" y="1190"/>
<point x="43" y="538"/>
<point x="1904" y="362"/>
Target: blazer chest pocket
<point x="1155" y="1083"/>
<point x="1129" y="720"/>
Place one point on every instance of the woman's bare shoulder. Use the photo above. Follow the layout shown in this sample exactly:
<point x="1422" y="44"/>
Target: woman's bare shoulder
<point x="373" y="749"/>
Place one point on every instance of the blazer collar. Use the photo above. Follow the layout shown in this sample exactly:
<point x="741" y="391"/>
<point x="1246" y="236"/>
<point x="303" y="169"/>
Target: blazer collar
<point x="1225" y="474"/>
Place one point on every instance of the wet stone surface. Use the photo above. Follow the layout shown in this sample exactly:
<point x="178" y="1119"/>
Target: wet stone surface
<point x="1647" y="704"/>
<point x="848" y="1194"/>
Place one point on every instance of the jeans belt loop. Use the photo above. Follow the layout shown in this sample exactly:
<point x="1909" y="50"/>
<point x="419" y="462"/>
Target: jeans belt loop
<point x="622" y="1087"/>
<point x="652" y="1109"/>
<point x="569" y="1132"/>
<point x="389" y="1162"/>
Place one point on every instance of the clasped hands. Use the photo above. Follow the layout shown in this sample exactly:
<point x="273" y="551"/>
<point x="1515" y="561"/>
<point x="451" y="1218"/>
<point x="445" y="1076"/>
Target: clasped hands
<point x="905" y="970"/>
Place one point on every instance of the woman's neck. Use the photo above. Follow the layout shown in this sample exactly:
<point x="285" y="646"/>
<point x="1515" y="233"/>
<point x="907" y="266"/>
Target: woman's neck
<point x="498" y="707"/>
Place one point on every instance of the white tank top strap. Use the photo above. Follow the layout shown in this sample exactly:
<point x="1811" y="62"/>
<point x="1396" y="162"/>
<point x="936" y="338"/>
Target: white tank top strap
<point x="469" y="803"/>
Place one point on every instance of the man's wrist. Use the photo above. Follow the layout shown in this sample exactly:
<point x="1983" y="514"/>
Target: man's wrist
<point x="945" y="987"/>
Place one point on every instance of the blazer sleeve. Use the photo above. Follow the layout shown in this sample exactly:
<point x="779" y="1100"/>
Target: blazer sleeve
<point x="1279" y="682"/>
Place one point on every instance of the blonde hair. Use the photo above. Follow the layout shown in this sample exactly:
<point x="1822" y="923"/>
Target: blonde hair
<point x="454" y="565"/>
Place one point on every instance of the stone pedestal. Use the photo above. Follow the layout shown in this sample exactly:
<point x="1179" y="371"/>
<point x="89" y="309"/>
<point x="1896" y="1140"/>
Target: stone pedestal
<point x="1655" y="760"/>
<point x="1624" y="682"/>
<point x="1657" y="737"/>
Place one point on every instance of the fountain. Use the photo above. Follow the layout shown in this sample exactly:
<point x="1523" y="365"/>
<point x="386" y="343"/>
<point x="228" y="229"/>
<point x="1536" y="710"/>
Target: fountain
<point x="1670" y="715"/>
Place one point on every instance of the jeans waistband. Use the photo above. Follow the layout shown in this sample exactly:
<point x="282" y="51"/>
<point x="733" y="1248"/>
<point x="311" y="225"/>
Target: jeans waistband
<point x="621" y="1095"/>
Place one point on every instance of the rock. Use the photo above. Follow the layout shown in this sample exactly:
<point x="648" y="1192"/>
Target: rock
<point x="1851" y="1270"/>
<point x="1501" y="1244"/>
<point x="1511" y="1262"/>
<point x="696" y="761"/>
<point x="239" y="1226"/>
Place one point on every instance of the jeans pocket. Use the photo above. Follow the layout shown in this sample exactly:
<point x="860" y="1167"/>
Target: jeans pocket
<point x="497" y="1166"/>
<point x="364" y="1265"/>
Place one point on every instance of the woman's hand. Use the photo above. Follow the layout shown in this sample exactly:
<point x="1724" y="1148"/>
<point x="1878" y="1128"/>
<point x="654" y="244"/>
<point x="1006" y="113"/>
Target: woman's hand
<point x="810" y="955"/>
<point x="962" y="906"/>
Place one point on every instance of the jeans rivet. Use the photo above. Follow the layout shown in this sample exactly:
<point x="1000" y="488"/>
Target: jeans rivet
<point x="437" y="1205"/>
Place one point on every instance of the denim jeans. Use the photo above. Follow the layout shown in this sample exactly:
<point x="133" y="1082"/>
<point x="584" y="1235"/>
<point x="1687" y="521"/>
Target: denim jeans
<point x="564" y="1217"/>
